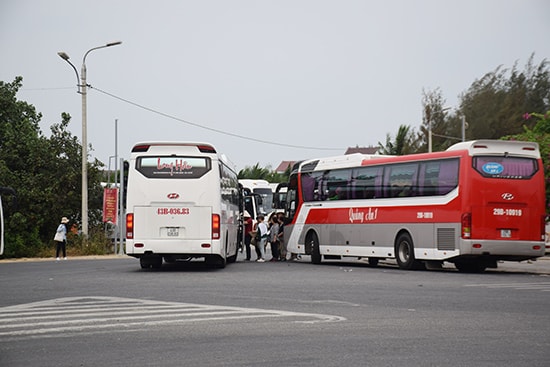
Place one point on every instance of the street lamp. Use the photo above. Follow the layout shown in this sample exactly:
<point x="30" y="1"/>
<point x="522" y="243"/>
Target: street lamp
<point x="82" y="89"/>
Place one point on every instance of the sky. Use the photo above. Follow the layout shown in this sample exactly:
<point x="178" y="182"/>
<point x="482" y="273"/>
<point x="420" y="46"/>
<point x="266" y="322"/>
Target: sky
<point x="263" y="81"/>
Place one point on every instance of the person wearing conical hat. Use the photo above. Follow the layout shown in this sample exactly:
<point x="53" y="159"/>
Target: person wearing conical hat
<point x="61" y="239"/>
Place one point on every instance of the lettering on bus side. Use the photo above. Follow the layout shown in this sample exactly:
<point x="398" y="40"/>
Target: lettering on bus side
<point x="424" y="215"/>
<point x="173" y="211"/>
<point x="357" y="215"/>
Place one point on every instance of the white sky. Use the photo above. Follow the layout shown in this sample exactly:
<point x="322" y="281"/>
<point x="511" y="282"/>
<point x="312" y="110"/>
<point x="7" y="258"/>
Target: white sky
<point x="314" y="73"/>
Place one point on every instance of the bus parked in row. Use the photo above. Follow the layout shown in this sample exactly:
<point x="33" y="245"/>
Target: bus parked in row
<point x="182" y="203"/>
<point x="261" y="188"/>
<point x="477" y="203"/>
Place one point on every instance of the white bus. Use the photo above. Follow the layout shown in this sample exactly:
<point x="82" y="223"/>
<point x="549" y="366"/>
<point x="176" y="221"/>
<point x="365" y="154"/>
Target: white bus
<point x="182" y="203"/>
<point x="261" y="188"/>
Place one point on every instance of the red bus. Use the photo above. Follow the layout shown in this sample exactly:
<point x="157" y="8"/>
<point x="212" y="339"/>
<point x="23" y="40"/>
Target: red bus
<point x="477" y="203"/>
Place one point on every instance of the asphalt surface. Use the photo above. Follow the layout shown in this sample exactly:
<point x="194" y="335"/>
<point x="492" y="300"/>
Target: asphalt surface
<point x="539" y="266"/>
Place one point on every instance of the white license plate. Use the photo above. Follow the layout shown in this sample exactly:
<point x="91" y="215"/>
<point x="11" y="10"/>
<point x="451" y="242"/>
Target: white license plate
<point x="506" y="233"/>
<point x="172" y="231"/>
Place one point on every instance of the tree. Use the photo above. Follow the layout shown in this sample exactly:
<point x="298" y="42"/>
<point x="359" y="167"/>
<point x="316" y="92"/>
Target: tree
<point x="258" y="173"/>
<point x="46" y="173"/>
<point x="405" y="142"/>
<point x="254" y="172"/>
<point x="540" y="134"/>
<point x="438" y="117"/>
<point x="494" y="105"/>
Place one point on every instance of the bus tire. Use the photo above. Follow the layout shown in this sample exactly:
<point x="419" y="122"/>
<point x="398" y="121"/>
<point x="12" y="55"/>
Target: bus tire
<point x="373" y="262"/>
<point x="404" y="253"/>
<point x="472" y="266"/>
<point x="216" y="261"/>
<point x="231" y="259"/>
<point x="316" y="256"/>
<point x="156" y="262"/>
<point x="144" y="262"/>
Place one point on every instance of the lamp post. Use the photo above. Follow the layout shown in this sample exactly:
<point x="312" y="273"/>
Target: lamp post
<point x="82" y="89"/>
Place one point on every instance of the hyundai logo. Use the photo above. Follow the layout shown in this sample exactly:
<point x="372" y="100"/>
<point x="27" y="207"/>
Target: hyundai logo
<point x="507" y="196"/>
<point x="173" y="195"/>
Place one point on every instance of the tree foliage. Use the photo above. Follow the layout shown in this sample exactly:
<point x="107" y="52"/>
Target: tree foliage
<point x="266" y="173"/>
<point x="540" y="133"/>
<point x="406" y="142"/>
<point x="492" y="107"/>
<point x="495" y="104"/>
<point x="45" y="172"/>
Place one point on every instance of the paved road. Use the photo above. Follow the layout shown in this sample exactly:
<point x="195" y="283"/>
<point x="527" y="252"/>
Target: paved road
<point x="106" y="311"/>
<point x="539" y="266"/>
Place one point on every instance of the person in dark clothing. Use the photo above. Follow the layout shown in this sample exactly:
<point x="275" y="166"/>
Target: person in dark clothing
<point x="248" y="225"/>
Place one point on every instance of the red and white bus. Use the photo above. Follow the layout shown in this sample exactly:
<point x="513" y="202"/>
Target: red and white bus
<point x="475" y="204"/>
<point x="182" y="203"/>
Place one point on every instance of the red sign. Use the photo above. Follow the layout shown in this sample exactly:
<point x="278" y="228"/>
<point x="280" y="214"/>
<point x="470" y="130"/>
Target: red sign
<point x="110" y="205"/>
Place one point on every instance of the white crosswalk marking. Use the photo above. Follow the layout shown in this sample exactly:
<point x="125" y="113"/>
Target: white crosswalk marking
<point x="99" y="314"/>
<point x="538" y="286"/>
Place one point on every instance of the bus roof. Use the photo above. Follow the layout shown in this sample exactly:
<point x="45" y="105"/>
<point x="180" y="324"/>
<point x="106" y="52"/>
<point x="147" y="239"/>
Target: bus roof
<point x="475" y="147"/>
<point x="145" y="146"/>
<point x="518" y="148"/>
<point x="166" y="147"/>
<point x="340" y="161"/>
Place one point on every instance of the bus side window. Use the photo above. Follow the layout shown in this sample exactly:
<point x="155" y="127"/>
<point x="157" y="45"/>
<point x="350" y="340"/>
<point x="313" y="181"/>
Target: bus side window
<point x="308" y="187"/>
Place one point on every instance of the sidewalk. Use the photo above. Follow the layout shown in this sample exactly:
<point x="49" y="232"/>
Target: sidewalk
<point x="91" y="257"/>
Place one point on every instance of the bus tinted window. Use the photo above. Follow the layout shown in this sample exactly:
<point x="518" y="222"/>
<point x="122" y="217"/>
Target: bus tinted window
<point x="335" y="184"/>
<point x="505" y="167"/>
<point x="400" y="179"/>
<point x="173" y="167"/>
<point x="438" y="177"/>
<point x="366" y="182"/>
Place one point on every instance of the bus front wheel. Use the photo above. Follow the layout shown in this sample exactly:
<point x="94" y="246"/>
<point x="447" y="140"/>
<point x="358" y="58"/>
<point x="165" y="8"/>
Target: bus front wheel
<point x="404" y="253"/>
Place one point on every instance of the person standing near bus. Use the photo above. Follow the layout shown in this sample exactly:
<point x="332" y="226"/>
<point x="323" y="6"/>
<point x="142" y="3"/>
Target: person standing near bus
<point x="61" y="239"/>
<point x="248" y="224"/>
<point x="274" y="236"/>
<point x="262" y="231"/>
<point x="281" y="237"/>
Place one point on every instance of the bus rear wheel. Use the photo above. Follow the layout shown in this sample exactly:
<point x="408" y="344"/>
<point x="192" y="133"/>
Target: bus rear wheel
<point x="216" y="261"/>
<point x="373" y="262"/>
<point x="471" y="266"/>
<point x="150" y="261"/>
<point x="404" y="253"/>
<point x="316" y="256"/>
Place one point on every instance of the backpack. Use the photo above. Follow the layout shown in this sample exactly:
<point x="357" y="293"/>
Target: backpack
<point x="258" y="235"/>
